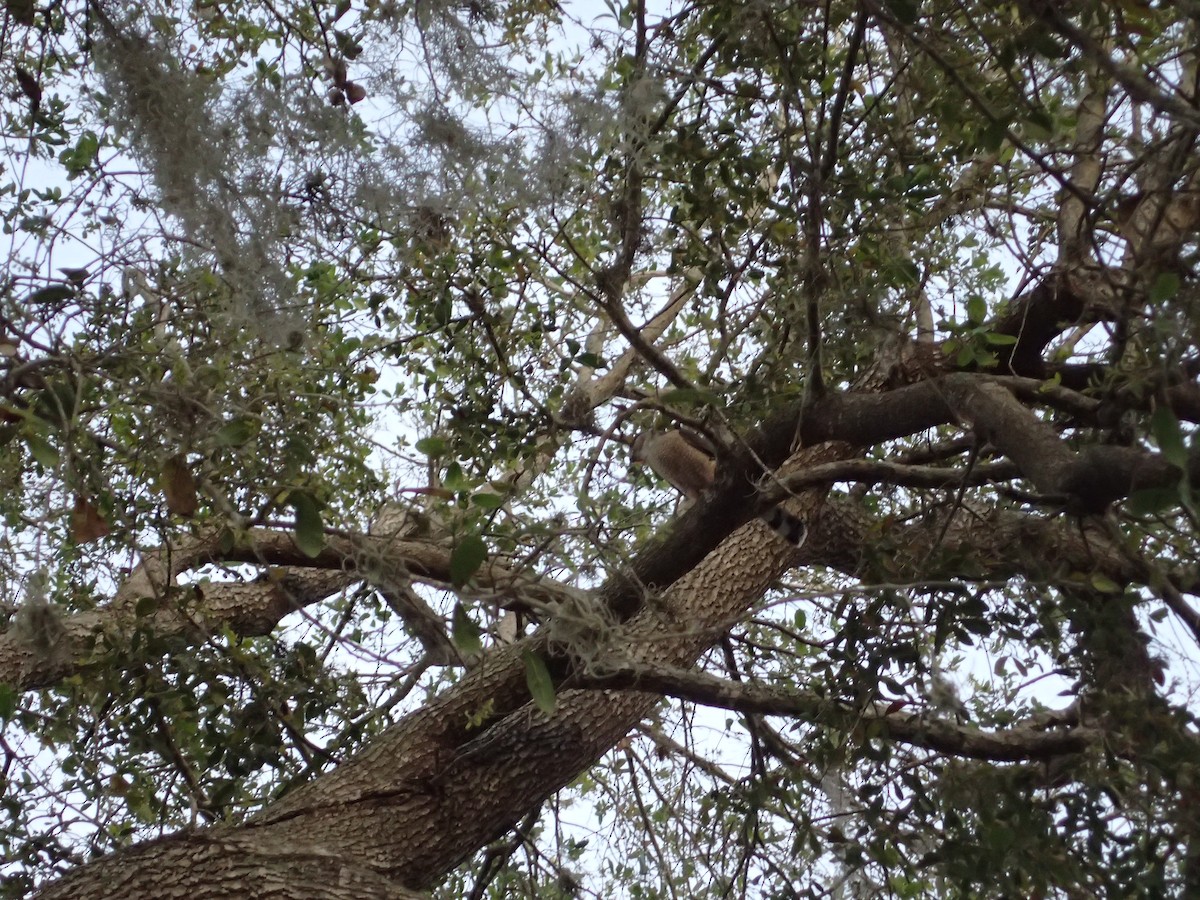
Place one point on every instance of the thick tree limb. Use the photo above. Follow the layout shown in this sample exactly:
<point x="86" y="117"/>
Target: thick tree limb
<point x="234" y="865"/>
<point x="151" y="599"/>
<point x="188" y="613"/>
<point x="1093" y="477"/>
<point x="1134" y="82"/>
<point x="1018" y="743"/>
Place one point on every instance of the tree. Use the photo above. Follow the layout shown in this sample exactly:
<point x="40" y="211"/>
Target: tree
<point x="325" y="329"/>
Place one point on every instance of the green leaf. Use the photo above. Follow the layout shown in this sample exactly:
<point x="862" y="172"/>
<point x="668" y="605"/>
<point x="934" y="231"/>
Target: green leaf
<point x="310" y="530"/>
<point x="56" y="293"/>
<point x="443" y="311"/>
<point x="541" y="685"/>
<point x="80" y="158"/>
<point x="1039" y="40"/>
<point x="487" y="499"/>
<point x="42" y="450"/>
<point x="466" y="558"/>
<point x="907" y="11"/>
<point x="976" y="309"/>
<point x="1104" y="584"/>
<point x="454" y="479"/>
<point x="56" y="402"/>
<point x="690" y="397"/>
<point x="1151" y="500"/>
<point x="235" y="432"/>
<point x="1039" y="124"/>
<point x="1165" y="287"/>
<point x="464" y="632"/>
<point x="432" y="446"/>
<point x="1167" y="434"/>
<point x="1000" y="340"/>
<point x="8" y="701"/>
<point x="993" y="136"/>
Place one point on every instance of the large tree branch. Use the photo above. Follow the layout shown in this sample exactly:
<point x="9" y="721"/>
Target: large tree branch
<point x="1135" y="83"/>
<point x="393" y="808"/>
<point x="152" y="601"/>
<point x="1021" y="742"/>
<point x="233" y="864"/>
<point x="1090" y="478"/>
<point x="189" y="613"/>
<point x="1065" y="297"/>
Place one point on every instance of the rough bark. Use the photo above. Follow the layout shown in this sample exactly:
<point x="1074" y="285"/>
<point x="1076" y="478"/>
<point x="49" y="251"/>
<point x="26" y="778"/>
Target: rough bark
<point x="408" y="808"/>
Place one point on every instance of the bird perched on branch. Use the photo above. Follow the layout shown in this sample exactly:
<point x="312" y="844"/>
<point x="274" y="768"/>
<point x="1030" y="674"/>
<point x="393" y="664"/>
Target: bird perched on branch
<point x="687" y="462"/>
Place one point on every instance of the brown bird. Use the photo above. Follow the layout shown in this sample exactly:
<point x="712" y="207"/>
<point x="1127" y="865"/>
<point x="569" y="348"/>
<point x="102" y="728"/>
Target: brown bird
<point x="686" y="461"/>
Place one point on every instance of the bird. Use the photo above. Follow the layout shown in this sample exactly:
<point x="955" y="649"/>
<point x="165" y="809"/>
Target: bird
<point x="686" y="461"/>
